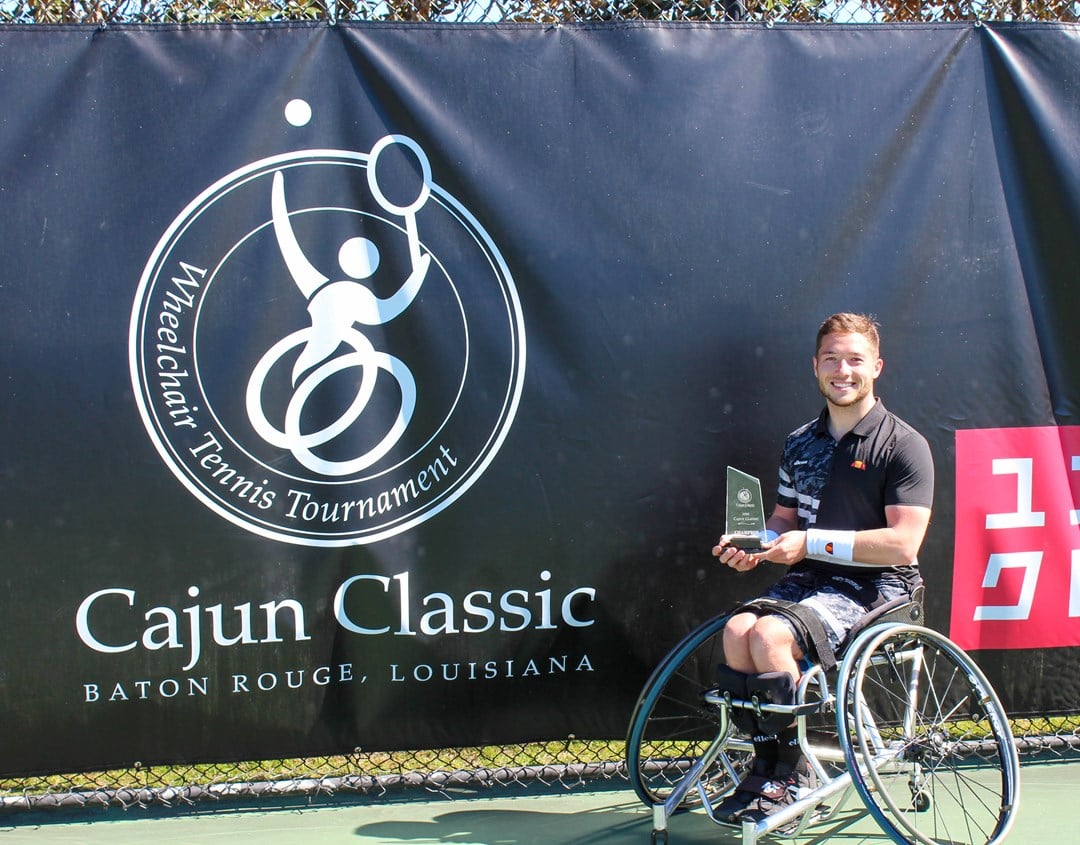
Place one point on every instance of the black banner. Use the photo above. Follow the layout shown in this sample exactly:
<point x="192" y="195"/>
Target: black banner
<point x="373" y="385"/>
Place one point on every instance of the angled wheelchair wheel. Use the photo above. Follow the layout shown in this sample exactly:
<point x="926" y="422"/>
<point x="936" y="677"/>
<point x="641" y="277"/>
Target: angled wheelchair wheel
<point x="926" y="739"/>
<point x="672" y="731"/>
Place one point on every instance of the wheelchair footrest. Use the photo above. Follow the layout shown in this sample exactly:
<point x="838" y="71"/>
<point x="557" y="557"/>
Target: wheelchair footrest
<point x="717" y="698"/>
<point x="816" y="814"/>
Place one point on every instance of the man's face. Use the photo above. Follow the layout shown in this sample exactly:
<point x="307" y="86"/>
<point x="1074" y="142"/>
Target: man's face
<point x="846" y="367"/>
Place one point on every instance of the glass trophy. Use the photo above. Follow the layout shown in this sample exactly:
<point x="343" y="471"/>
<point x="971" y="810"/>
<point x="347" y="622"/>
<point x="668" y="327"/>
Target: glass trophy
<point x="745" y="512"/>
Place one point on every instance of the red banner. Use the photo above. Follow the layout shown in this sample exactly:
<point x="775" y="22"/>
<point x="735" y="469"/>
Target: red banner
<point x="1016" y="579"/>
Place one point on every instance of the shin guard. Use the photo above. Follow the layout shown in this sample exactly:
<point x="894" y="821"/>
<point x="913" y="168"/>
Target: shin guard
<point x="771" y="688"/>
<point x="734" y="683"/>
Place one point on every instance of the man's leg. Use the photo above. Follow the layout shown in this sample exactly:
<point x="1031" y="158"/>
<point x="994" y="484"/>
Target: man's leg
<point x="775" y="653"/>
<point x="766" y="648"/>
<point x="793" y="777"/>
<point x="761" y="649"/>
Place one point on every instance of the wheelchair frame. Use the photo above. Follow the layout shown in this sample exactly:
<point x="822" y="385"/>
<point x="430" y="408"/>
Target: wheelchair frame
<point x="912" y="714"/>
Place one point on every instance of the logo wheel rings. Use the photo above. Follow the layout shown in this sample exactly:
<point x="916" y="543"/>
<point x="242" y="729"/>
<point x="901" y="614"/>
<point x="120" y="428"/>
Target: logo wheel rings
<point x="369" y="361"/>
<point x="371" y="433"/>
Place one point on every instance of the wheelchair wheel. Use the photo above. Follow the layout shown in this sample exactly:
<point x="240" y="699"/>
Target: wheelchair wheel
<point x="926" y="740"/>
<point x="672" y="728"/>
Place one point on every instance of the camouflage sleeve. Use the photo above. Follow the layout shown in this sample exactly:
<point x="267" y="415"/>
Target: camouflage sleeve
<point x="786" y="495"/>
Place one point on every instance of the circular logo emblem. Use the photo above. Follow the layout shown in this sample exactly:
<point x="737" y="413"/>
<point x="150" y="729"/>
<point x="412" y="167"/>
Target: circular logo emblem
<point x="326" y="347"/>
<point x="744" y="496"/>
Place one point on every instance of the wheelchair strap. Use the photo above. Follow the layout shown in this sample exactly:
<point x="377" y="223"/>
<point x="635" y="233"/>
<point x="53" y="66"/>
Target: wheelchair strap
<point x="805" y="620"/>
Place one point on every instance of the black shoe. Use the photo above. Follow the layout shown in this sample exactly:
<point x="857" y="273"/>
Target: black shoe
<point x="786" y="786"/>
<point x="757" y="776"/>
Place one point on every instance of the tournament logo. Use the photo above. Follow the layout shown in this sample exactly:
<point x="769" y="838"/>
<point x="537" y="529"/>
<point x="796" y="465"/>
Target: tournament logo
<point x="326" y="346"/>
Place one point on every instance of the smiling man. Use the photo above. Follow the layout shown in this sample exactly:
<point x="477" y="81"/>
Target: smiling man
<point x="853" y="504"/>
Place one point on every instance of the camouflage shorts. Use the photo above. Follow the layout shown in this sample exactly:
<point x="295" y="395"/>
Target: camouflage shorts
<point x="840" y="602"/>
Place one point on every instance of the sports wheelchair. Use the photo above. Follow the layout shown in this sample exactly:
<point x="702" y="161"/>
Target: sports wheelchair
<point x="907" y="721"/>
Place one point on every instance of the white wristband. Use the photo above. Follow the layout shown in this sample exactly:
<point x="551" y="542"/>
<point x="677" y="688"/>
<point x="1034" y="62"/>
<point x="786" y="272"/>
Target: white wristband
<point x="834" y="545"/>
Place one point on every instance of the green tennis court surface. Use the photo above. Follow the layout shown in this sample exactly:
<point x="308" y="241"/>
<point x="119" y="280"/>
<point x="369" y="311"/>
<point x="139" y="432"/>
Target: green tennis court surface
<point x="603" y="814"/>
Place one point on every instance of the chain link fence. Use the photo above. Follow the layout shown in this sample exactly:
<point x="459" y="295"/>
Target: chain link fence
<point x="567" y="762"/>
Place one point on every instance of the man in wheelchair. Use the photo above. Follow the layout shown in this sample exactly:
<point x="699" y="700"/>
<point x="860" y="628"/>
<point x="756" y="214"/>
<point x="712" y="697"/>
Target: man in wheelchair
<point x="853" y="505"/>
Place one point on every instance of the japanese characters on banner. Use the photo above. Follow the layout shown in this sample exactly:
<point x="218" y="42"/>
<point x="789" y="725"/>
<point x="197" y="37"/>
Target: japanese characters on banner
<point x="1016" y="576"/>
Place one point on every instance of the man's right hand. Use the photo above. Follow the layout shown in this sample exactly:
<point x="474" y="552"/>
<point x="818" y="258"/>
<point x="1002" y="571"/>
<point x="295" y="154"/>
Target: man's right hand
<point x="737" y="559"/>
<point x="787" y="549"/>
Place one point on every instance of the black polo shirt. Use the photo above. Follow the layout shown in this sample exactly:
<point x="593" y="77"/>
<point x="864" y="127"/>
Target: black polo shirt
<point x="846" y="485"/>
